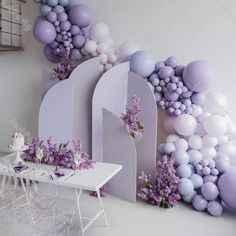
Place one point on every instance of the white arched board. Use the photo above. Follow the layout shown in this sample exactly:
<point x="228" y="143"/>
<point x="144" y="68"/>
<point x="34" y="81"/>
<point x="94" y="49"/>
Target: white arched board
<point x="66" y="109"/>
<point x="119" y="148"/>
<point x="110" y="93"/>
<point x="147" y="146"/>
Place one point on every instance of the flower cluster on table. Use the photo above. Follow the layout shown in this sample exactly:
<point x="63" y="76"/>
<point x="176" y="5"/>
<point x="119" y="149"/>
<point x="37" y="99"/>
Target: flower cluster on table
<point x="132" y="119"/>
<point x="58" y="154"/>
<point x="161" y="189"/>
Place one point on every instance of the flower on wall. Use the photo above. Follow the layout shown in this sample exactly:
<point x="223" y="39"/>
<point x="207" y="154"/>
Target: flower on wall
<point x="161" y="188"/>
<point x="131" y="118"/>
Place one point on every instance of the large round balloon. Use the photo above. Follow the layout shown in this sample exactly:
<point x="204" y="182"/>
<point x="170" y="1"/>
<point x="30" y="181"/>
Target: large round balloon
<point x="142" y="63"/>
<point x="80" y="15"/>
<point x="99" y="32"/>
<point x="198" y="76"/>
<point x="216" y="103"/>
<point x="125" y="50"/>
<point x="185" y="124"/>
<point x="215" y="126"/>
<point x="48" y="52"/>
<point x="227" y="188"/>
<point x="44" y="32"/>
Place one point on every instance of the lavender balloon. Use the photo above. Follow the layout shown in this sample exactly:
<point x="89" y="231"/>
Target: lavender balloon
<point x="210" y="191"/>
<point x="198" y="76"/>
<point x="214" y="208"/>
<point x="227" y="188"/>
<point x="199" y="203"/>
<point x="44" y="32"/>
<point x="78" y="41"/>
<point x="80" y="15"/>
<point x="48" y="53"/>
<point x="75" y="54"/>
<point x="142" y="63"/>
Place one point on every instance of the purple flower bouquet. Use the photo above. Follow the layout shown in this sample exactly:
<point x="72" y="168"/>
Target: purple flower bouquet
<point x="57" y="154"/>
<point x="161" y="188"/>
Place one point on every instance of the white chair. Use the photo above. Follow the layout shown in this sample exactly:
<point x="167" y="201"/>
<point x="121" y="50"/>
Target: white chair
<point x="44" y="204"/>
<point x="8" y="199"/>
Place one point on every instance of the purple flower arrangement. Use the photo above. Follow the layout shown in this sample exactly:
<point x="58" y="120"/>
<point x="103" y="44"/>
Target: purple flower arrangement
<point x="57" y="154"/>
<point x="64" y="67"/>
<point x="161" y="189"/>
<point x="132" y="119"/>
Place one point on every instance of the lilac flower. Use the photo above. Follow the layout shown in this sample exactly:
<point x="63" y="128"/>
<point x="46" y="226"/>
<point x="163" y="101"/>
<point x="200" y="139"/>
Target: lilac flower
<point x="58" y="154"/>
<point x="161" y="188"/>
<point x="131" y="118"/>
<point x="64" y="68"/>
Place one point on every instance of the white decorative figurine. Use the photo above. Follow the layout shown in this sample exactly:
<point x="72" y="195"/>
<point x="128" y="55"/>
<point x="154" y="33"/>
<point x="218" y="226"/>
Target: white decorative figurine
<point x="18" y="146"/>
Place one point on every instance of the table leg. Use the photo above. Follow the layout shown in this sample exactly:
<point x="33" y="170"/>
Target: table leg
<point x="102" y="207"/>
<point x="78" y="195"/>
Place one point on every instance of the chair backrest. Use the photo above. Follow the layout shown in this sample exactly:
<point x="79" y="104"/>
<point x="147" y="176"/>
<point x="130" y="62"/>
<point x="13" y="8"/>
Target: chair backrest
<point x="8" y="182"/>
<point x="43" y="188"/>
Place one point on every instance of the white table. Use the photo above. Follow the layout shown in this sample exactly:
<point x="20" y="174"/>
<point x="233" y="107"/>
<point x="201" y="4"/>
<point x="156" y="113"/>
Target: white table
<point x="92" y="179"/>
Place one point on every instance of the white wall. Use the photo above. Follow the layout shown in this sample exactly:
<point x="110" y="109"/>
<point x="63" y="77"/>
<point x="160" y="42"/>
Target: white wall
<point x="188" y="29"/>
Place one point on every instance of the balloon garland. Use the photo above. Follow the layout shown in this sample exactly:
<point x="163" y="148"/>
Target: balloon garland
<point x="201" y="137"/>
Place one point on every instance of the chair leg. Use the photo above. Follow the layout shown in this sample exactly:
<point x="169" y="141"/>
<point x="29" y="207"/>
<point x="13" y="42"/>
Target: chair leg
<point x="78" y="195"/>
<point x="102" y="208"/>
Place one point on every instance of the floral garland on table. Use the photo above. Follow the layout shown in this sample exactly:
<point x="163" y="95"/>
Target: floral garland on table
<point x="161" y="189"/>
<point x="132" y="119"/>
<point x="58" y="154"/>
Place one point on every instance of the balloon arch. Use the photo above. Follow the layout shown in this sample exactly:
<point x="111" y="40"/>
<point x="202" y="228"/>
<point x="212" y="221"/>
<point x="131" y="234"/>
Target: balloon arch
<point x="201" y="136"/>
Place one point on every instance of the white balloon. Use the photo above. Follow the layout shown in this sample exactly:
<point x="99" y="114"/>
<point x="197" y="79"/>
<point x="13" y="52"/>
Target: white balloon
<point x="185" y="124"/>
<point x="196" y="111"/>
<point x="171" y="138"/>
<point x="223" y="139"/>
<point x="112" y="58"/>
<point x="195" y="142"/>
<point x="208" y="153"/>
<point x="103" y="59"/>
<point x="204" y="116"/>
<point x="200" y="130"/>
<point x="125" y="50"/>
<point x="168" y="124"/>
<point x="99" y="32"/>
<point x="102" y="48"/>
<point x="228" y="148"/>
<point x="181" y="144"/>
<point x="209" y="141"/>
<point x="90" y="46"/>
<point x="194" y="156"/>
<point x="215" y="126"/>
<point x="216" y="103"/>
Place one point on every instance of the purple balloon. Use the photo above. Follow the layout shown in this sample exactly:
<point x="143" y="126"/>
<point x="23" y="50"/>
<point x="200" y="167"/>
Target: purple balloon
<point x="52" y="17"/>
<point x="65" y="25"/>
<point x="214" y="208"/>
<point x="74" y="30"/>
<point x="78" y="41"/>
<point x="159" y="65"/>
<point x="64" y="3"/>
<point x="48" y="52"/>
<point x="45" y="10"/>
<point x="44" y="32"/>
<point x="172" y="62"/>
<point x="59" y="38"/>
<point x="142" y="63"/>
<point x="54" y="44"/>
<point x="209" y="191"/>
<point x="179" y="70"/>
<point x="198" y="76"/>
<point x="165" y="72"/>
<point x="52" y="3"/>
<point x="199" y="203"/>
<point x="75" y="54"/>
<point x="210" y="178"/>
<point x="171" y="96"/>
<point x="227" y="188"/>
<point x="80" y="15"/>
<point x="58" y="9"/>
<point x="62" y="17"/>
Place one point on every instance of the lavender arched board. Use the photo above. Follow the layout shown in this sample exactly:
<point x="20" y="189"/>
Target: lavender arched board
<point x="66" y="109"/>
<point x="110" y="93"/>
<point x="147" y="146"/>
<point x="119" y="148"/>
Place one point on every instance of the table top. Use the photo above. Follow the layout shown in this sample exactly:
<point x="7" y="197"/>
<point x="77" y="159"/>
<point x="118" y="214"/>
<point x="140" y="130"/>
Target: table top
<point x="91" y="179"/>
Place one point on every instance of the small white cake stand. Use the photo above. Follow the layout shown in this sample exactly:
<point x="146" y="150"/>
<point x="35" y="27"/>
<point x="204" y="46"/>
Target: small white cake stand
<point x="18" y="152"/>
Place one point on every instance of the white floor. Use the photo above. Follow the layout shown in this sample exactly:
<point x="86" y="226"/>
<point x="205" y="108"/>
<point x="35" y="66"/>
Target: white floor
<point x="127" y="219"/>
